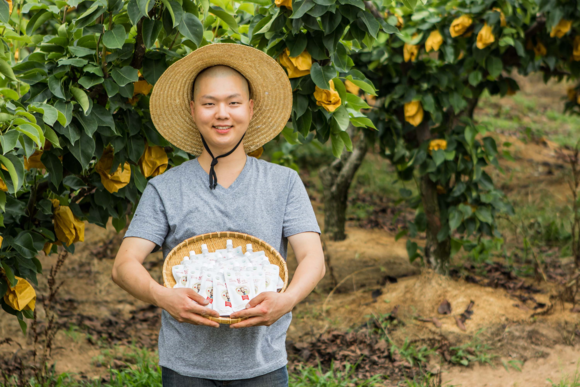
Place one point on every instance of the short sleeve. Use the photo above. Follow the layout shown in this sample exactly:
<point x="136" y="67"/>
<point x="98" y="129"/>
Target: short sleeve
<point x="298" y="215"/>
<point x="150" y="219"/>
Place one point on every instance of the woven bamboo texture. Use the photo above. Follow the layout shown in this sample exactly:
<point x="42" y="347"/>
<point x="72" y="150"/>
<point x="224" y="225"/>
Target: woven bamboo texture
<point x="217" y="241"/>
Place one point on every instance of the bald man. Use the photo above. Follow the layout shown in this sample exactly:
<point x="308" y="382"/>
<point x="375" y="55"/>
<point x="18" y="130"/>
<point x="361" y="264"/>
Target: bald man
<point x="253" y="196"/>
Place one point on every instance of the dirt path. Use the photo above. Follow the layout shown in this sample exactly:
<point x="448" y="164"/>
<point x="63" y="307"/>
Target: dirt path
<point x="562" y="363"/>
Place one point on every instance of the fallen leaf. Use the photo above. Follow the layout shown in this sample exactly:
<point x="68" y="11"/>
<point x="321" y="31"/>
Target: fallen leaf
<point x="460" y="324"/>
<point x="444" y="308"/>
<point x="436" y="322"/>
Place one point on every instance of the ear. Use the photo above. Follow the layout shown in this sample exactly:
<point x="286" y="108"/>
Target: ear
<point x="192" y="107"/>
<point x="251" y="105"/>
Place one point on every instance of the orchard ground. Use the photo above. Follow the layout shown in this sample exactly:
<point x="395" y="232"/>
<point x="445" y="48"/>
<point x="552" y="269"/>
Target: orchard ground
<point x="521" y="332"/>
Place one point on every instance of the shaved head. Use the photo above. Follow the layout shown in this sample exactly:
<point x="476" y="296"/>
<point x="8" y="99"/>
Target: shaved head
<point x="219" y="71"/>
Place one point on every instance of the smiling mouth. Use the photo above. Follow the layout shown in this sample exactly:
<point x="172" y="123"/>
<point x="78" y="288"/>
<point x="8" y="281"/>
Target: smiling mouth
<point x="222" y="127"/>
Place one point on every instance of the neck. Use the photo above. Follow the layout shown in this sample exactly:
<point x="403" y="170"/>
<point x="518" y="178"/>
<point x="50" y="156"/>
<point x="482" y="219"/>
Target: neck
<point x="236" y="160"/>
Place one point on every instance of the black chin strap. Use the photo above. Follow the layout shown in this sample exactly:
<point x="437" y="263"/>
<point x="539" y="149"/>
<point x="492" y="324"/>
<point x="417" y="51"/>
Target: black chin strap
<point x="214" y="160"/>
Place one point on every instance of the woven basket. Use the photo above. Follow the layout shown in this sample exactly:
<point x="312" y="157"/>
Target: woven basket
<point x="217" y="241"/>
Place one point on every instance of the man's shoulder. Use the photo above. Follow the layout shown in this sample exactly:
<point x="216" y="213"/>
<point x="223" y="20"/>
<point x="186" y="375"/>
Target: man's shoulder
<point x="172" y="175"/>
<point x="273" y="169"/>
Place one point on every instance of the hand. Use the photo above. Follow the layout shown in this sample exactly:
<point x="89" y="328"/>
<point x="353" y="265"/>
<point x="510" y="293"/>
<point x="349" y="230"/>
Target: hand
<point x="185" y="305"/>
<point x="264" y="309"/>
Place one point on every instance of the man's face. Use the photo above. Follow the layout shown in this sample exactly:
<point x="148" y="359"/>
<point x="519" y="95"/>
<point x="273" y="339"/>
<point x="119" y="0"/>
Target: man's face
<point x="221" y="107"/>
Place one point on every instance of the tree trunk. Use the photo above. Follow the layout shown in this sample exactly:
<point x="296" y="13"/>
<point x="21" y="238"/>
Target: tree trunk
<point x="436" y="253"/>
<point x="336" y="180"/>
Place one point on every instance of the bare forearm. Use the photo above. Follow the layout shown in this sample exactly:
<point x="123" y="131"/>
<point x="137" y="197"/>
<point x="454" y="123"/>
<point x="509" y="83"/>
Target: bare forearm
<point x="136" y="280"/>
<point x="309" y="272"/>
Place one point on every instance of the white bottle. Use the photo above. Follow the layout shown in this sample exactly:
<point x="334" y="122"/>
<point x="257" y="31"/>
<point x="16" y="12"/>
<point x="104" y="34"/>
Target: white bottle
<point x="192" y="254"/>
<point x="204" y="250"/>
<point x="249" y="250"/>
<point x="229" y="246"/>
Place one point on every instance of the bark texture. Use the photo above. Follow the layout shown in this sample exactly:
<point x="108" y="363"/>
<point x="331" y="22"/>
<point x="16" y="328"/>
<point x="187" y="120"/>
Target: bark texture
<point x="436" y="253"/>
<point x="336" y="180"/>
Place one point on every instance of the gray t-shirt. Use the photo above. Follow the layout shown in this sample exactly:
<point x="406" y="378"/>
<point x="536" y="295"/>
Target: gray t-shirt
<point x="267" y="201"/>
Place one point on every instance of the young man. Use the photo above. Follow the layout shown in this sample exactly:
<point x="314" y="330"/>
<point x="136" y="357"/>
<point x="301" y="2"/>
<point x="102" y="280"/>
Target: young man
<point x="241" y="99"/>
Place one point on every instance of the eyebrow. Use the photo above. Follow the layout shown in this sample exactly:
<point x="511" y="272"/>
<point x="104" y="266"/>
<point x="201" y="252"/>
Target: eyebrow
<point x="228" y="97"/>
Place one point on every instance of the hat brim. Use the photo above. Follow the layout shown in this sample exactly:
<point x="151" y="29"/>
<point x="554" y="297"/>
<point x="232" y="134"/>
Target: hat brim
<point x="269" y="84"/>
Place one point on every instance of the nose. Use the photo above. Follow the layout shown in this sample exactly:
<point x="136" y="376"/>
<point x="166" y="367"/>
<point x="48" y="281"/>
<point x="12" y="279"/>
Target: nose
<point x="222" y="112"/>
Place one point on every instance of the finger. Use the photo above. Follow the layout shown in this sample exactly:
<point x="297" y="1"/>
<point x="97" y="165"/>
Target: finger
<point x="256" y="300"/>
<point x="257" y="311"/>
<point x="251" y="322"/>
<point x="199" y="320"/>
<point x="196" y="297"/>
<point x="202" y="310"/>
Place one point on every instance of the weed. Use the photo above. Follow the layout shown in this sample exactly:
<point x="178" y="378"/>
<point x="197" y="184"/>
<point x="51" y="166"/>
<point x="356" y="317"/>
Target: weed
<point x="316" y="377"/>
<point x="565" y="382"/>
<point x="73" y="332"/>
<point x="474" y="351"/>
<point x="415" y="356"/>
<point x="425" y="381"/>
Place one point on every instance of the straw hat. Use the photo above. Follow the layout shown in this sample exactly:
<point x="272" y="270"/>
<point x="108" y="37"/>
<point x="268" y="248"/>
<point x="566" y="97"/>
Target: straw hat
<point x="269" y="86"/>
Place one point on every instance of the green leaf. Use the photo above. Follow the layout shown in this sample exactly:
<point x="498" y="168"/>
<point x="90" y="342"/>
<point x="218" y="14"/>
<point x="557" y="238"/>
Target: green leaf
<point x="229" y="19"/>
<point x="49" y="113"/>
<point x="9" y="274"/>
<point x="115" y="38"/>
<point x="8" y="140"/>
<point x="438" y="156"/>
<point x="484" y="214"/>
<point x="322" y="75"/>
<point x="90" y="80"/>
<point x="81" y="51"/>
<point x="83" y="150"/>
<point x="32" y="133"/>
<point x="337" y="144"/>
<point x="51" y="136"/>
<point x="89" y="122"/>
<point x="111" y="87"/>
<point x="81" y="97"/>
<point x="37" y="20"/>
<point x="347" y="140"/>
<point x="370" y="22"/>
<point x="475" y="78"/>
<point x="490" y="146"/>
<point x="3" y="201"/>
<point x="300" y="8"/>
<point x="152" y="69"/>
<point x="6" y="70"/>
<point x="455" y="219"/>
<point x="341" y="117"/>
<point x="16" y="181"/>
<point x="139" y="179"/>
<point x="470" y="133"/>
<point x="290" y="135"/>
<point x="9" y="93"/>
<point x="55" y="87"/>
<point x="363" y="85"/>
<point x="494" y="66"/>
<point x="53" y="166"/>
<point x="191" y="28"/>
<point x="4" y="11"/>
<point x="355" y="102"/>
<point x="362" y="122"/>
<point x="410" y="4"/>
<point x="151" y="29"/>
<point x="125" y="75"/>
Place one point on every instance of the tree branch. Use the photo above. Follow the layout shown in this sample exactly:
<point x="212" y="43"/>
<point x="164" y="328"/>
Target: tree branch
<point x="352" y="163"/>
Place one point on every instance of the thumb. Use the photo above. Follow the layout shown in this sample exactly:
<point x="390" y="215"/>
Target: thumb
<point x="196" y="297"/>
<point x="256" y="300"/>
